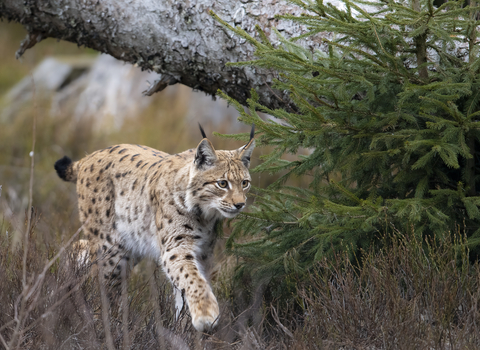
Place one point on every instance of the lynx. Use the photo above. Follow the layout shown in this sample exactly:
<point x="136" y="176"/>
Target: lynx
<point x="137" y="202"/>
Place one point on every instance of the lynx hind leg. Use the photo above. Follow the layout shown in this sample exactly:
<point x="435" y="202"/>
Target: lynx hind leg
<point x="81" y="253"/>
<point x="113" y="259"/>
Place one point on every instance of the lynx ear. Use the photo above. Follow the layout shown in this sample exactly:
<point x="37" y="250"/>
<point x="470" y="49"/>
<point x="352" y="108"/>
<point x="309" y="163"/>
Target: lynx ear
<point x="246" y="152"/>
<point x="205" y="155"/>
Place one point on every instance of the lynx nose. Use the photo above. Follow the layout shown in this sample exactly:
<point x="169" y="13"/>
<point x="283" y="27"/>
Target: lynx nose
<point x="239" y="205"/>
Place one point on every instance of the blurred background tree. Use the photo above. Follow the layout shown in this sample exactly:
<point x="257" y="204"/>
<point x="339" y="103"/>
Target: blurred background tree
<point x="388" y="108"/>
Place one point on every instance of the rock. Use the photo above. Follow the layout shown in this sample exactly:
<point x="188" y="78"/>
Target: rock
<point x="108" y="91"/>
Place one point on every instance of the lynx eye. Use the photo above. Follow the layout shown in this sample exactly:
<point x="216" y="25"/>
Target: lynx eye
<point x="245" y="183"/>
<point x="222" y="184"/>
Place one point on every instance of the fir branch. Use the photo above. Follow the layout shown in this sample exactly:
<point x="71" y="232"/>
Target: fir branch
<point x="386" y="142"/>
<point x="472" y="103"/>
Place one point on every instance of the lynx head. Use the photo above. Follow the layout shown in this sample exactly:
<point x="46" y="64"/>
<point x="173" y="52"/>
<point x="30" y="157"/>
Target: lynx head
<point x="219" y="180"/>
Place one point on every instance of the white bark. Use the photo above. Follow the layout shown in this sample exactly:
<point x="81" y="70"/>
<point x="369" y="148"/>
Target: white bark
<point x="179" y="40"/>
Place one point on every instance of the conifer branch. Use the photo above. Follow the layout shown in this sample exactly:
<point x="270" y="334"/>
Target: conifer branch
<point x="394" y="131"/>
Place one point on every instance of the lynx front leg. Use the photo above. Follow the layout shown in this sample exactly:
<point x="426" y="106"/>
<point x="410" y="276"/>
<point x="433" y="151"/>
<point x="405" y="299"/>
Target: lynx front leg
<point x="182" y="269"/>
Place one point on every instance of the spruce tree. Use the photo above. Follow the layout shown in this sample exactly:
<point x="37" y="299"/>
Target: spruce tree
<point x="388" y="106"/>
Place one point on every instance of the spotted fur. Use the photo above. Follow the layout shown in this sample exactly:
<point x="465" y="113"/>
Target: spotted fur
<point x="138" y="202"/>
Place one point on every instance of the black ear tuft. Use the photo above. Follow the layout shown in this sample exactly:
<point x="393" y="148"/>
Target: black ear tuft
<point x="252" y="135"/>
<point x="202" y="131"/>
<point x="246" y="152"/>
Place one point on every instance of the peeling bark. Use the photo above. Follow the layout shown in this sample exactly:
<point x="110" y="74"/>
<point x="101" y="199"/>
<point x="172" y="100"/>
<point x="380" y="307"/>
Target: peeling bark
<point x="181" y="41"/>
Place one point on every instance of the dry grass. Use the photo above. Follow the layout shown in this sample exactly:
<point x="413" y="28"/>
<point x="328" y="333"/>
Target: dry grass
<point x="401" y="297"/>
<point x="408" y="295"/>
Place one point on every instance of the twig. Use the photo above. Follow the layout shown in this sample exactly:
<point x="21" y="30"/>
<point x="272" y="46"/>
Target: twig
<point x="51" y="308"/>
<point x="126" y="337"/>
<point x="27" y="293"/>
<point x="52" y="261"/>
<point x="6" y="325"/>
<point x="198" y="341"/>
<point x="158" y="325"/>
<point x="160" y="84"/>
<point x="74" y="335"/>
<point x="30" y="189"/>
<point x="4" y="343"/>
<point x="279" y="98"/>
<point x="163" y="334"/>
<point x="30" y="40"/>
<point x="86" y="314"/>
<point x="105" y="306"/>
<point x="277" y="320"/>
<point x="17" y="332"/>
<point x="175" y="340"/>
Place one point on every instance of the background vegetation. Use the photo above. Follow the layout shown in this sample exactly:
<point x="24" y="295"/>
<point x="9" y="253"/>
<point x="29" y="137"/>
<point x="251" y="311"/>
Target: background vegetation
<point x="374" y="254"/>
<point x="388" y="107"/>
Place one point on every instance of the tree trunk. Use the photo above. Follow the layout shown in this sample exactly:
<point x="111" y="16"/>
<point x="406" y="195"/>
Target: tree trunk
<point x="179" y="40"/>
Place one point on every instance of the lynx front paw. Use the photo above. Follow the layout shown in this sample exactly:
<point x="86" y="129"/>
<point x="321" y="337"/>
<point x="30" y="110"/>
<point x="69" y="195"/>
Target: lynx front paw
<point x="205" y="312"/>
